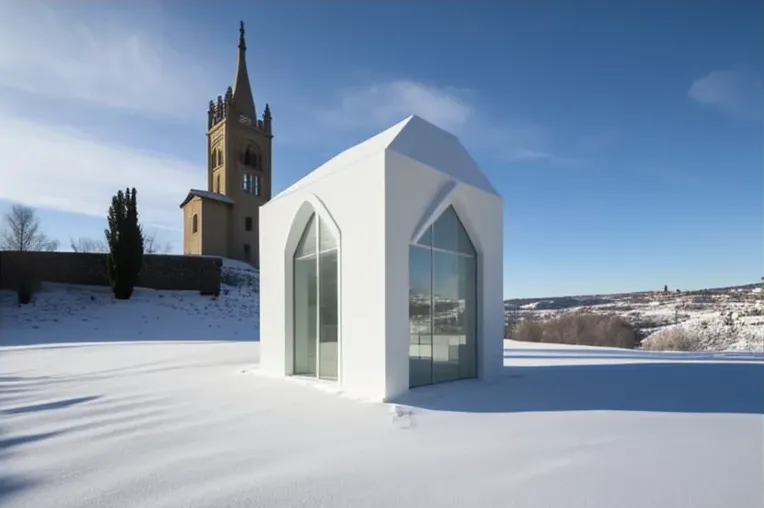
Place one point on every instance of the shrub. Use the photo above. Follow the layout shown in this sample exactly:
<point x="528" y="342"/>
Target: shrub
<point x="24" y="281"/>
<point x="579" y="329"/>
<point x="125" y="240"/>
<point x="711" y="333"/>
<point x="527" y="331"/>
<point x="673" y="339"/>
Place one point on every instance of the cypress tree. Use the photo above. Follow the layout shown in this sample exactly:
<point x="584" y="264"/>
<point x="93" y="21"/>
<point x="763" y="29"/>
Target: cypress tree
<point x="125" y="240"/>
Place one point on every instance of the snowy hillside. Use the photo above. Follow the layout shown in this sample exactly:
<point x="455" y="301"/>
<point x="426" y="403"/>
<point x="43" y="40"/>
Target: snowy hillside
<point x="177" y="415"/>
<point x="722" y="319"/>
<point x="64" y="313"/>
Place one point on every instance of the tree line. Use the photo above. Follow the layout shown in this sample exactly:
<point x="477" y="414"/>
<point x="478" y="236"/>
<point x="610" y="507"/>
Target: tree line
<point x="124" y="243"/>
<point x="23" y="232"/>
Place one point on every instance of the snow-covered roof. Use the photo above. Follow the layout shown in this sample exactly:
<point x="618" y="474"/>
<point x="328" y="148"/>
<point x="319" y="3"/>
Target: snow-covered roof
<point x="207" y="195"/>
<point x="416" y="139"/>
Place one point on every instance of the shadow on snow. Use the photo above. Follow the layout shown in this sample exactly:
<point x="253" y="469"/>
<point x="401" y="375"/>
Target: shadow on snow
<point x="47" y="406"/>
<point x="678" y="387"/>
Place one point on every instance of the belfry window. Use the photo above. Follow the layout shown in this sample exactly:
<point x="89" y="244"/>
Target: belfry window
<point x="251" y="157"/>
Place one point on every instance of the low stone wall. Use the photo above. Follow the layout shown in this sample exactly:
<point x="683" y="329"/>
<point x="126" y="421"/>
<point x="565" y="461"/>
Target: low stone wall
<point x="159" y="271"/>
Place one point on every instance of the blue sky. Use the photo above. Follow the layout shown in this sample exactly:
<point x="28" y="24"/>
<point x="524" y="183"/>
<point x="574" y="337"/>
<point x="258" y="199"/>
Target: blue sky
<point x="625" y="137"/>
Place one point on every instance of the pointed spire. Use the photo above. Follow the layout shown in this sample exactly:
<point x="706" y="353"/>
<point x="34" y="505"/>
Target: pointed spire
<point x="242" y="92"/>
<point x="242" y="44"/>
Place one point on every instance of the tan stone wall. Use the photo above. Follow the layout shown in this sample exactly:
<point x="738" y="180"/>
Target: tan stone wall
<point x="215" y="219"/>
<point x="247" y="205"/>
<point x="216" y="138"/>
<point x="192" y="242"/>
<point x="232" y="138"/>
<point x="193" y="273"/>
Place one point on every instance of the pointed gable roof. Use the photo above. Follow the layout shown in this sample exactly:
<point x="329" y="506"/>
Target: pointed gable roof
<point x="416" y="139"/>
<point x="213" y="196"/>
<point x="439" y="149"/>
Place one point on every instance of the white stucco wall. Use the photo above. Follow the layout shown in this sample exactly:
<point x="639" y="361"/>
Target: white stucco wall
<point x="416" y="196"/>
<point x="376" y="200"/>
<point x="353" y="198"/>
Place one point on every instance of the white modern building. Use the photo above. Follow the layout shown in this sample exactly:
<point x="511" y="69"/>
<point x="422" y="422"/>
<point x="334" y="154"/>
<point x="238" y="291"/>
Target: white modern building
<point x="382" y="269"/>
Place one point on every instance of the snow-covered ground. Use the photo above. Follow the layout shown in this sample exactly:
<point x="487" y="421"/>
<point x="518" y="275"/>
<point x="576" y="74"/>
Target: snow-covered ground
<point x="64" y="313"/>
<point x="144" y="404"/>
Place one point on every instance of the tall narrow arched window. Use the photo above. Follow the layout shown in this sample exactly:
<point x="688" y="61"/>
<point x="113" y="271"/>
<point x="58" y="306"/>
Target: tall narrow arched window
<point x="251" y="156"/>
<point x="220" y="156"/>
<point x="316" y="304"/>
<point x="214" y="158"/>
<point x="195" y="223"/>
<point x="442" y="303"/>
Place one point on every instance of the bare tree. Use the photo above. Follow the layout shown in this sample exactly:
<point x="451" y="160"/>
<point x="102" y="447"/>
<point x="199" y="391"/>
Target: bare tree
<point x="151" y="246"/>
<point x="84" y="244"/>
<point x="23" y="231"/>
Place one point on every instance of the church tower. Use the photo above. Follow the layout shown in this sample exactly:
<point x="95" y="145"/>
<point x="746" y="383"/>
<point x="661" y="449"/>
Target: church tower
<point x="223" y="220"/>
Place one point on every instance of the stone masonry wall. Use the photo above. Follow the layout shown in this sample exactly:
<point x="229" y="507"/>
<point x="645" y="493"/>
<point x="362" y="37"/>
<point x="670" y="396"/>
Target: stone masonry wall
<point x="159" y="271"/>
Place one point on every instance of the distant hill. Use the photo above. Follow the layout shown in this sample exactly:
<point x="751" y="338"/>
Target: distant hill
<point x="567" y="302"/>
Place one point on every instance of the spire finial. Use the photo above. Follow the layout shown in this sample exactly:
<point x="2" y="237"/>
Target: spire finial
<point x="242" y="44"/>
<point x="242" y="92"/>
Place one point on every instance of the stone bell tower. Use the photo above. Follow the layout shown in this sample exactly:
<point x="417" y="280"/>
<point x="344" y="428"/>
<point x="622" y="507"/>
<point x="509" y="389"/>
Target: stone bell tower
<point x="223" y="220"/>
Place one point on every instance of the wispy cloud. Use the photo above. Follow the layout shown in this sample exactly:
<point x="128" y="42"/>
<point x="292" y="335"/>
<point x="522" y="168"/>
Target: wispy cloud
<point x="116" y="61"/>
<point x="98" y="54"/>
<point x="383" y="104"/>
<point x="65" y="169"/>
<point x="736" y="92"/>
<point x="380" y="105"/>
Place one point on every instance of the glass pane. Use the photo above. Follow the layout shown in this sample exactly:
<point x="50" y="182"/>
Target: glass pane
<point x="468" y="318"/>
<point x="305" y="316"/>
<point x="328" y="318"/>
<point x="445" y="358"/>
<point x="444" y="231"/>
<point x="464" y="244"/>
<point x="420" y="315"/>
<point x="307" y="245"/>
<point x="426" y="238"/>
<point x="326" y="239"/>
<point x="447" y="332"/>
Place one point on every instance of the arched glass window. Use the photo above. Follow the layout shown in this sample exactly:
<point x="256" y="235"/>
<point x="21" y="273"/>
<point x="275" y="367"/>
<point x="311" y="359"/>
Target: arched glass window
<point x="442" y="304"/>
<point x="195" y="223"/>
<point x="316" y="305"/>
